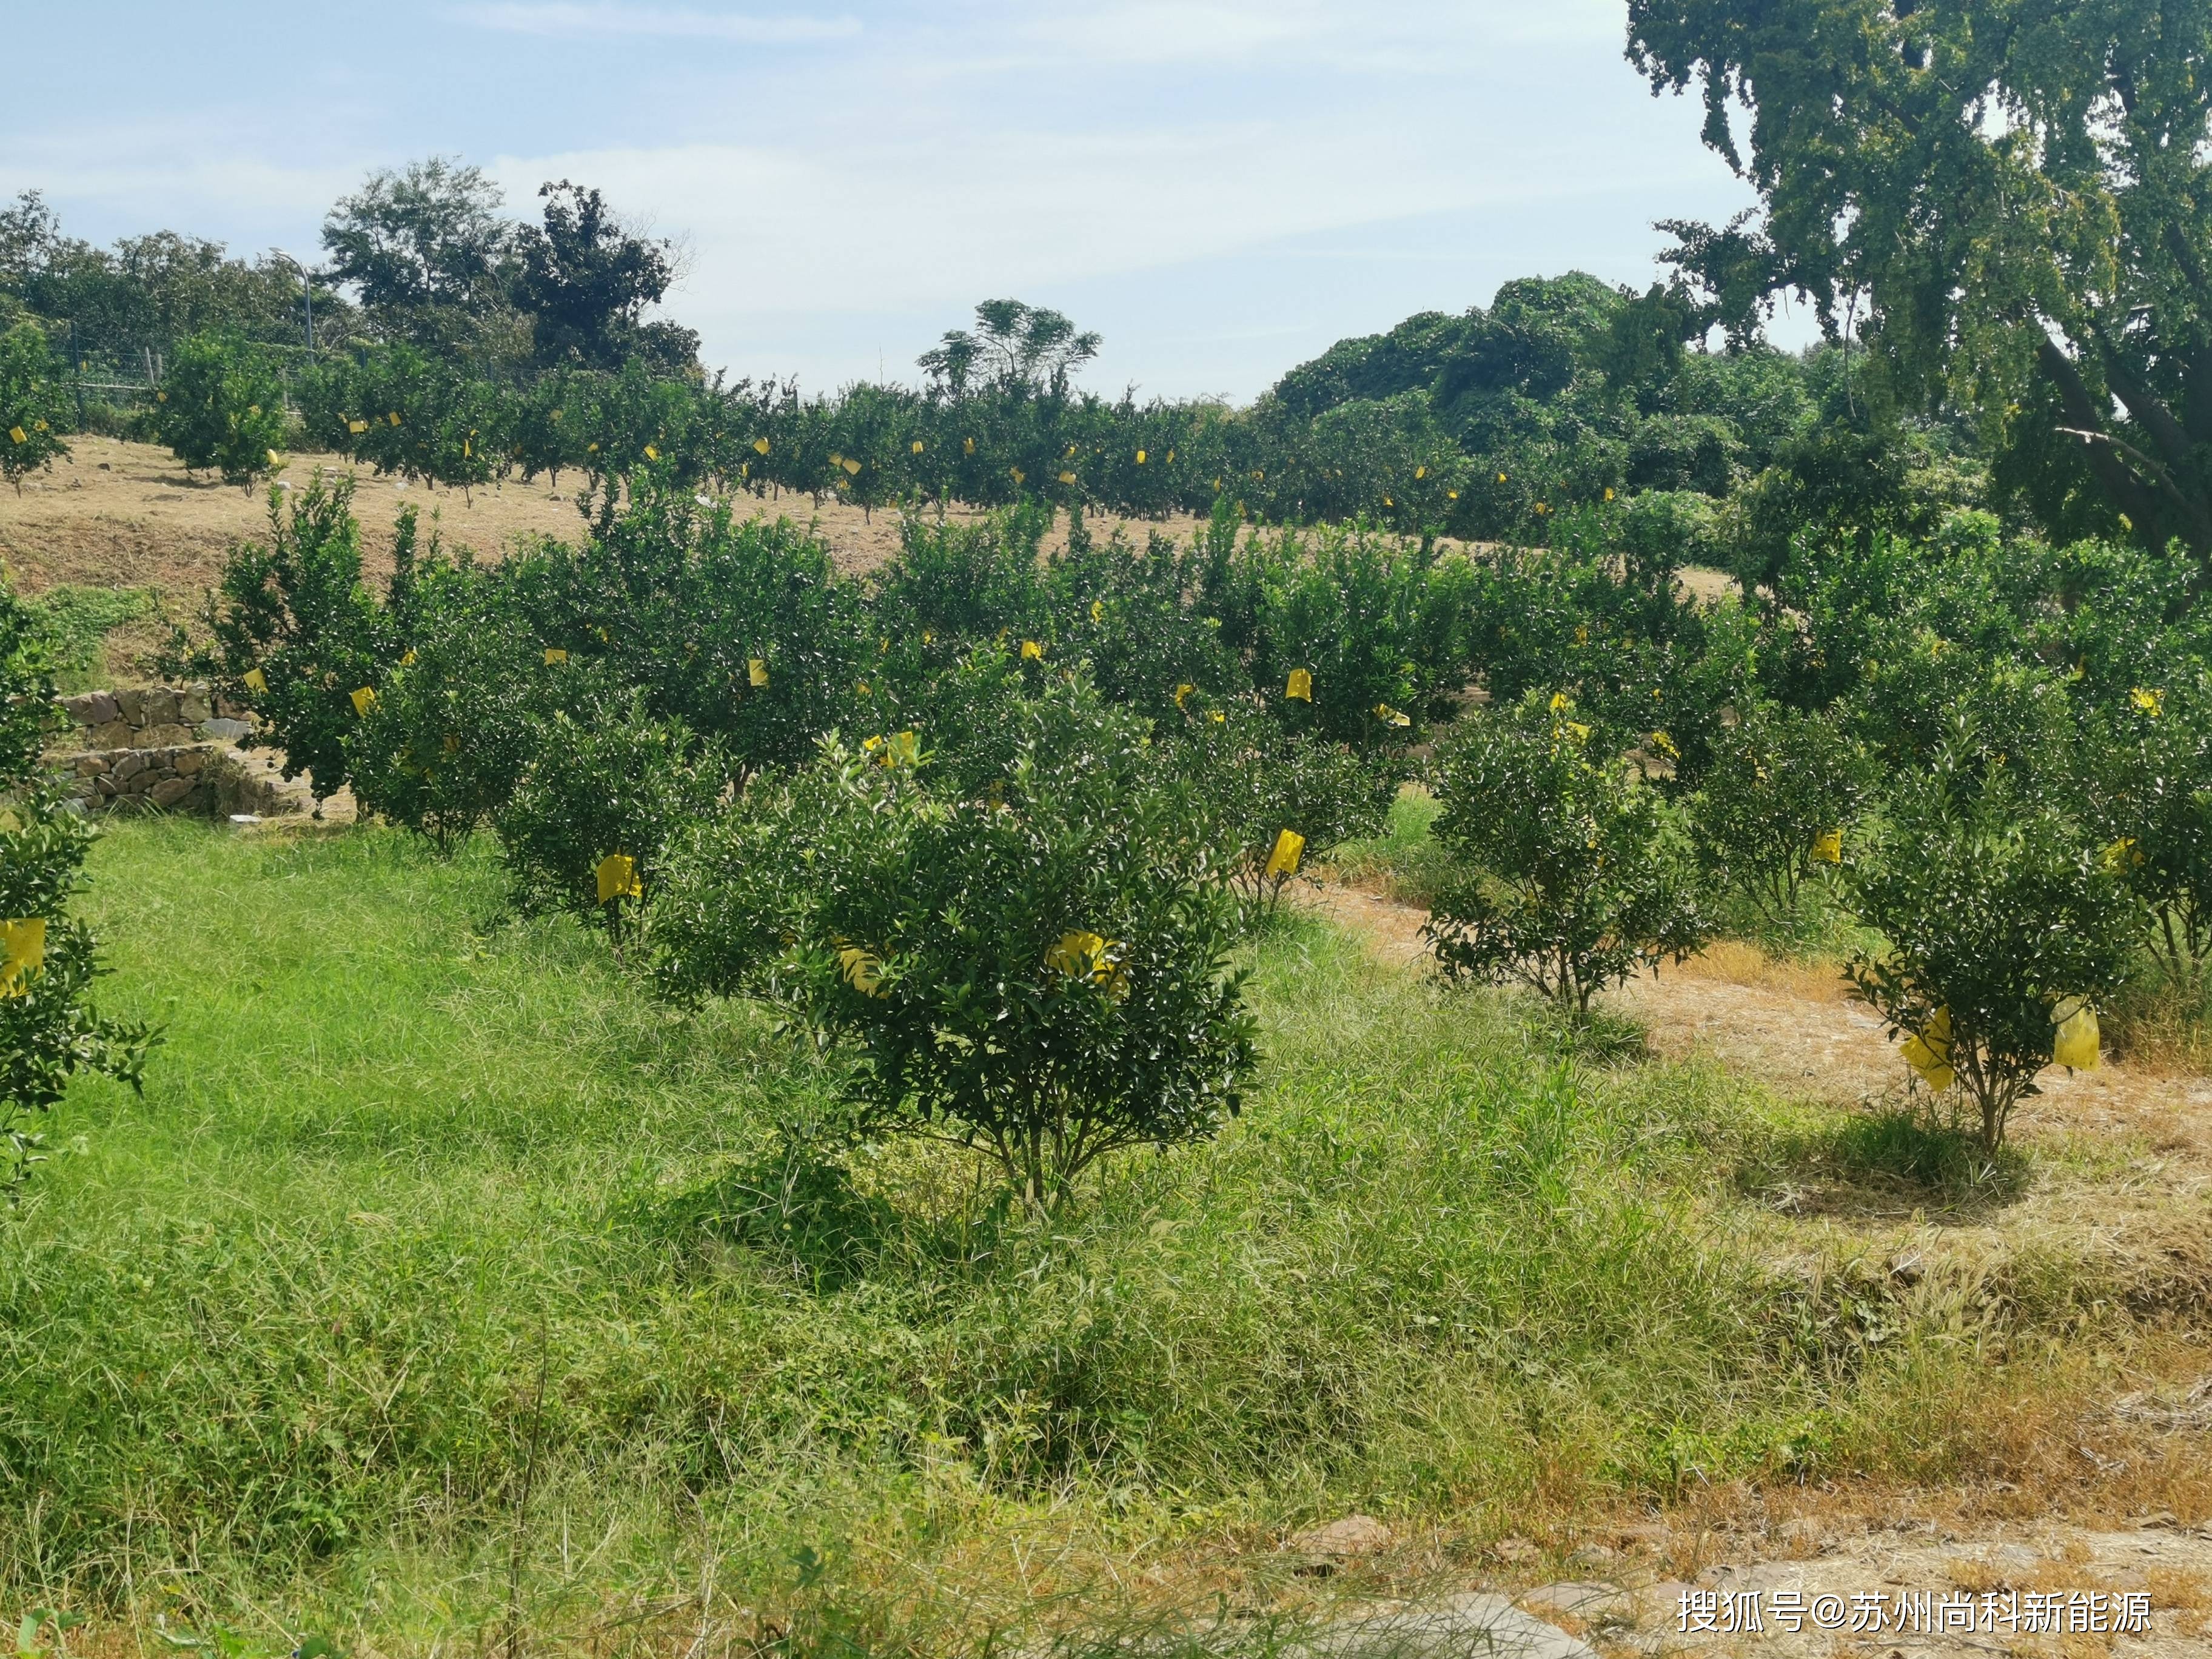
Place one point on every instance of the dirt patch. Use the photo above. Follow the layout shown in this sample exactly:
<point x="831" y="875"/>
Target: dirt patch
<point x="116" y="514"/>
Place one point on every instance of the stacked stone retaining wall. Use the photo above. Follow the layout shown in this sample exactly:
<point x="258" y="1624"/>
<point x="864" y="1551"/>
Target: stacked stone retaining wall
<point x="161" y="747"/>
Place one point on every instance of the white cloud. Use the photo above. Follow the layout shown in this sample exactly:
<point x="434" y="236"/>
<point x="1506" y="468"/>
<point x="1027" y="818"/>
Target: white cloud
<point x="561" y="18"/>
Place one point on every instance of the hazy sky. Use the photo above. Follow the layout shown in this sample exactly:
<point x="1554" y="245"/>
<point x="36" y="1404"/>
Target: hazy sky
<point x="1221" y="187"/>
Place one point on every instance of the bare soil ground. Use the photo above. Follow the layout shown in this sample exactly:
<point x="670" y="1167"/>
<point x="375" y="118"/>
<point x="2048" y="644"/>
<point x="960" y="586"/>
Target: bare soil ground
<point x="116" y="514"/>
<point x="2115" y="1488"/>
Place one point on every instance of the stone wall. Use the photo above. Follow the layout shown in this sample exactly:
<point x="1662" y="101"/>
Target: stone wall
<point x="160" y="748"/>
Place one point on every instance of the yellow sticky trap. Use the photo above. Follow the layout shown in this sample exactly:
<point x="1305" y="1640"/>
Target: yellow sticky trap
<point x="1098" y="610"/>
<point x="1420" y="472"/>
<point x="1289" y="848"/>
<point x="651" y="453"/>
<point x="618" y="874"/>
<point x="1140" y="458"/>
<point x="1576" y="730"/>
<point x="760" y="446"/>
<point x="22" y="954"/>
<point x="917" y="446"/>
<point x="1929" y="1052"/>
<point x="2123" y="855"/>
<point x="1075" y="954"/>
<point x="1582" y="634"/>
<point x="1019" y="476"/>
<point x="1663" y="744"/>
<point x="1828" y="848"/>
<point x="1182" y="693"/>
<point x="364" y="699"/>
<point x="1216" y="716"/>
<point x="1068" y="477"/>
<point x="407" y="660"/>
<point x="18" y="435"/>
<point x="1390" y="716"/>
<point x="554" y="654"/>
<point x="1608" y="492"/>
<point x="967" y="446"/>
<point x="861" y="970"/>
<point x="900" y="749"/>
<point x="2076" y="1043"/>
<point x="1032" y="651"/>
<point x="256" y="680"/>
<point x="1560" y="701"/>
<point x="1387" y="501"/>
<point x="275" y="460"/>
<point x="1501" y="477"/>
<point x="2151" y="702"/>
<point x="756" y="671"/>
<point x="852" y="468"/>
<point x="393" y="416"/>
<point x="1300" y="686"/>
<point x="452" y="744"/>
<point x="356" y="426"/>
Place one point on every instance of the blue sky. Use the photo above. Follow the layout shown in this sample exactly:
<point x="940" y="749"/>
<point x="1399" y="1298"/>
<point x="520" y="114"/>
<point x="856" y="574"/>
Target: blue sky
<point x="1221" y="187"/>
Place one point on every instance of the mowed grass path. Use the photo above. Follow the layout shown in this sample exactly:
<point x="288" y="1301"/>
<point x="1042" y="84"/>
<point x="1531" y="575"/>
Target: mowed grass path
<point x="441" y="1264"/>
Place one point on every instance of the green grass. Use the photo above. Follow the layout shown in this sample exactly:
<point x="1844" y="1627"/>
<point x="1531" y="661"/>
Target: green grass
<point x="1404" y="862"/>
<point x="79" y="620"/>
<point x="439" y="1263"/>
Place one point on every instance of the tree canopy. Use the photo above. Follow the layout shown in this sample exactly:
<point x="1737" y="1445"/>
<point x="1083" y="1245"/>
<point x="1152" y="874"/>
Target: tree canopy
<point x="2006" y="201"/>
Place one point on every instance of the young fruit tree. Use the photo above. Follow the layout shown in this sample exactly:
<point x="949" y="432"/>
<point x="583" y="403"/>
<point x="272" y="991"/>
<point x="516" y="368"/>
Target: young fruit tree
<point x="220" y="406"/>
<point x="1040" y="973"/>
<point x="2004" y="930"/>
<point x="32" y="410"/>
<point x="1777" y="799"/>
<point x="48" y="1032"/>
<point x="1570" y="873"/>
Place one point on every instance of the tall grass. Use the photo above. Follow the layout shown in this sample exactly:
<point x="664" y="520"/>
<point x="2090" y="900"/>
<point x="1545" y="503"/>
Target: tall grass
<point x="441" y="1277"/>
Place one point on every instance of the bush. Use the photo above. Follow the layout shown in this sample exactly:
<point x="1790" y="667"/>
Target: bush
<point x="1252" y="781"/>
<point x="32" y="409"/>
<point x="446" y="739"/>
<point x="48" y="1032"/>
<point x="1570" y="873"/>
<point x="2001" y="923"/>
<point x="2147" y="786"/>
<point x="610" y="782"/>
<point x="1040" y="973"/>
<point x="221" y="405"/>
<point x="293" y="634"/>
<point x="1780" y="794"/>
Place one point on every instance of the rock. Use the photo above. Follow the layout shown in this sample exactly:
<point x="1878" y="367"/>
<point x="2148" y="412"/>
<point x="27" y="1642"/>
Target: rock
<point x="158" y="706"/>
<point x="192" y="706"/>
<point x="128" y="708"/>
<point x="88" y="766"/>
<point x="189" y="760"/>
<point x="117" y="733"/>
<point x="1515" y="1550"/>
<point x="83" y="708"/>
<point x="170" y="791"/>
<point x="1595" y="1557"/>
<point x="1466" y="1624"/>
<point x="1340" y="1541"/>
<point x="224" y="730"/>
<point x="106" y="785"/>
<point x="130" y="767"/>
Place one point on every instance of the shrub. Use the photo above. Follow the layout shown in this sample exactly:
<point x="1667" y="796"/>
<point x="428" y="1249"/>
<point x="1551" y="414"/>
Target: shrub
<point x="1251" y="782"/>
<point x="2147" y="786"/>
<point x="48" y="1032"/>
<point x="1040" y="973"/>
<point x="1569" y="874"/>
<point x="608" y="783"/>
<point x="2001" y="923"/>
<point x="292" y="633"/>
<point x="32" y="410"/>
<point x="221" y="406"/>
<point x="445" y="741"/>
<point x="1779" y="793"/>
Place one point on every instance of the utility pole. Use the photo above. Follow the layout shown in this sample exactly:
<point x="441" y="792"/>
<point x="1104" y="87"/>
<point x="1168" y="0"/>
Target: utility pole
<point x="307" y="295"/>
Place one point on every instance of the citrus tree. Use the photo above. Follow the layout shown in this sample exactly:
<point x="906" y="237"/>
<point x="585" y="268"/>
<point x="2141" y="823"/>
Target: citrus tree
<point x="221" y="407"/>
<point x="1569" y="874"/>
<point x="32" y="410"/>
<point x="1039" y="972"/>
<point x="2146" y="767"/>
<point x="49" y="1032"/>
<point x="1782" y="790"/>
<point x="2003" y="930"/>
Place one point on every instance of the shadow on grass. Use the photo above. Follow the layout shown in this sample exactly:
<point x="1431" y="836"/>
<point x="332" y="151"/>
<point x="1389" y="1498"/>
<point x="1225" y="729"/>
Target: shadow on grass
<point x="793" y="1206"/>
<point x="1892" y="1155"/>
